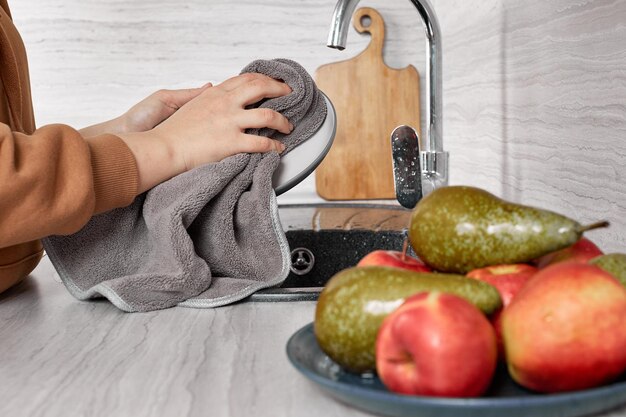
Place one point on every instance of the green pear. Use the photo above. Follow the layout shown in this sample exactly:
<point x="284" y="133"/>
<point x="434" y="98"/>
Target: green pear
<point x="614" y="264"/>
<point x="458" y="229"/>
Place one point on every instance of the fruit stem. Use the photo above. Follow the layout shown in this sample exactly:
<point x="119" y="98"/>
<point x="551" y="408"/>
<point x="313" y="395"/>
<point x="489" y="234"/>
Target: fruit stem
<point x="405" y="247"/>
<point x="592" y="226"/>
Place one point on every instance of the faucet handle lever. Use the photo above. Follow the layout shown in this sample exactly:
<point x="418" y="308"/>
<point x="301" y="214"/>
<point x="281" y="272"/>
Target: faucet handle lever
<point x="407" y="172"/>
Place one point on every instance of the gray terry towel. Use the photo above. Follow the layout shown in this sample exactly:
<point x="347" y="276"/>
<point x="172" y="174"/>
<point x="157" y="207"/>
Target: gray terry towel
<point x="208" y="237"/>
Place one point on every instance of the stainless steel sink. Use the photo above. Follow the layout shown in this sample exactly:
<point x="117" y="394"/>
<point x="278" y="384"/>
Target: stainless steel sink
<point x="324" y="239"/>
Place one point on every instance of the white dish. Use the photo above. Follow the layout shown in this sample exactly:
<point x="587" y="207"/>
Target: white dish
<point x="301" y="161"/>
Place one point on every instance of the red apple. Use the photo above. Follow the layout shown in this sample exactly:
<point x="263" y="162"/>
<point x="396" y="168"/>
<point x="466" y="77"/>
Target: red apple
<point x="394" y="259"/>
<point x="508" y="280"/>
<point x="582" y="251"/>
<point x="436" y="344"/>
<point x="565" y="329"/>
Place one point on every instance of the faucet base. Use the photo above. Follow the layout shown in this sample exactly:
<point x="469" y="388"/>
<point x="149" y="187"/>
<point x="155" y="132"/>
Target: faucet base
<point x="434" y="170"/>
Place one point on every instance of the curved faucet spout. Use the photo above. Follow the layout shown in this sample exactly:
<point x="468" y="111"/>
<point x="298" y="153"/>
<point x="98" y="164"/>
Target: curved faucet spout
<point x="344" y="9"/>
<point x="434" y="159"/>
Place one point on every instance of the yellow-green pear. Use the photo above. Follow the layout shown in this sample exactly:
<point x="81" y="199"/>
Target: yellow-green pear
<point x="459" y="228"/>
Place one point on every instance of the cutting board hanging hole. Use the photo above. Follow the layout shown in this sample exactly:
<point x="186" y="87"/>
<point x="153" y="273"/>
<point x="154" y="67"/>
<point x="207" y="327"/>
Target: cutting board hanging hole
<point x="366" y="20"/>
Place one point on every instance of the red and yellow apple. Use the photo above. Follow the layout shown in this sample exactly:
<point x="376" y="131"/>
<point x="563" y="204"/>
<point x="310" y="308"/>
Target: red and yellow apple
<point x="508" y="280"/>
<point x="393" y="259"/>
<point x="436" y="344"/>
<point x="565" y="329"/>
<point x="582" y="251"/>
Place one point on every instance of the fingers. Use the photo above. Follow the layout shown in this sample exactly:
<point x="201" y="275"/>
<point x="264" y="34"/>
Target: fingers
<point x="175" y="99"/>
<point x="239" y="80"/>
<point x="264" y="117"/>
<point x="259" y="88"/>
<point x="252" y="87"/>
<point x="254" y="144"/>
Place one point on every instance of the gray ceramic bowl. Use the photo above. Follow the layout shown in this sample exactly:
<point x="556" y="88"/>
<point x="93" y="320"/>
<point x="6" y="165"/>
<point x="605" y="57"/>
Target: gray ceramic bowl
<point x="504" y="399"/>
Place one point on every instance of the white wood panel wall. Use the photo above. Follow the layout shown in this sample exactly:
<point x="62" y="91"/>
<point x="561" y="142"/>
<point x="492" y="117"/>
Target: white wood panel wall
<point x="534" y="91"/>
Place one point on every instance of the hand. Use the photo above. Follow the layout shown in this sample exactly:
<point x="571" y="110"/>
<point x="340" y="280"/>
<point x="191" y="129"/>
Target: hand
<point x="212" y="125"/>
<point x="209" y="128"/>
<point x="156" y="108"/>
<point x="146" y="114"/>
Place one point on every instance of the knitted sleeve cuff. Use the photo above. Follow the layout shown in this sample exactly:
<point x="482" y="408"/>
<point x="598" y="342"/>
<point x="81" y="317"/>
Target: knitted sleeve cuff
<point x="115" y="174"/>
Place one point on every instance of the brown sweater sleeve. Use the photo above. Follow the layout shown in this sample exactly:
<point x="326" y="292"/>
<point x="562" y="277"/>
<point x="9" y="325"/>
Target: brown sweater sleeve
<point x="53" y="181"/>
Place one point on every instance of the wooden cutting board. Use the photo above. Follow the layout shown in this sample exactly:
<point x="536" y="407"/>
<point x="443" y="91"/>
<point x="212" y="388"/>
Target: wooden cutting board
<point x="371" y="99"/>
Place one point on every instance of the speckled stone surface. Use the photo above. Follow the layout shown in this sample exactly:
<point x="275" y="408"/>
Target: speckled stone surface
<point x="339" y="235"/>
<point x="335" y="250"/>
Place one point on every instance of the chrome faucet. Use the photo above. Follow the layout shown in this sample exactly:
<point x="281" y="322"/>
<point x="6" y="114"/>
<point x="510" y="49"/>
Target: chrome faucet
<point x="433" y="161"/>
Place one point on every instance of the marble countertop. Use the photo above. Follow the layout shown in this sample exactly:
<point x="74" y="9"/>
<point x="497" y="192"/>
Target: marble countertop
<point x="63" y="357"/>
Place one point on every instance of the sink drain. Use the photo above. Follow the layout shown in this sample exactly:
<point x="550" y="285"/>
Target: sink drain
<point x="302" y="261"/>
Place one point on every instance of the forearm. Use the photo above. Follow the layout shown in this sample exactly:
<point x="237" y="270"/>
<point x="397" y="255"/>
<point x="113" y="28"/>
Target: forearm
<point x="155" y="157"/>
